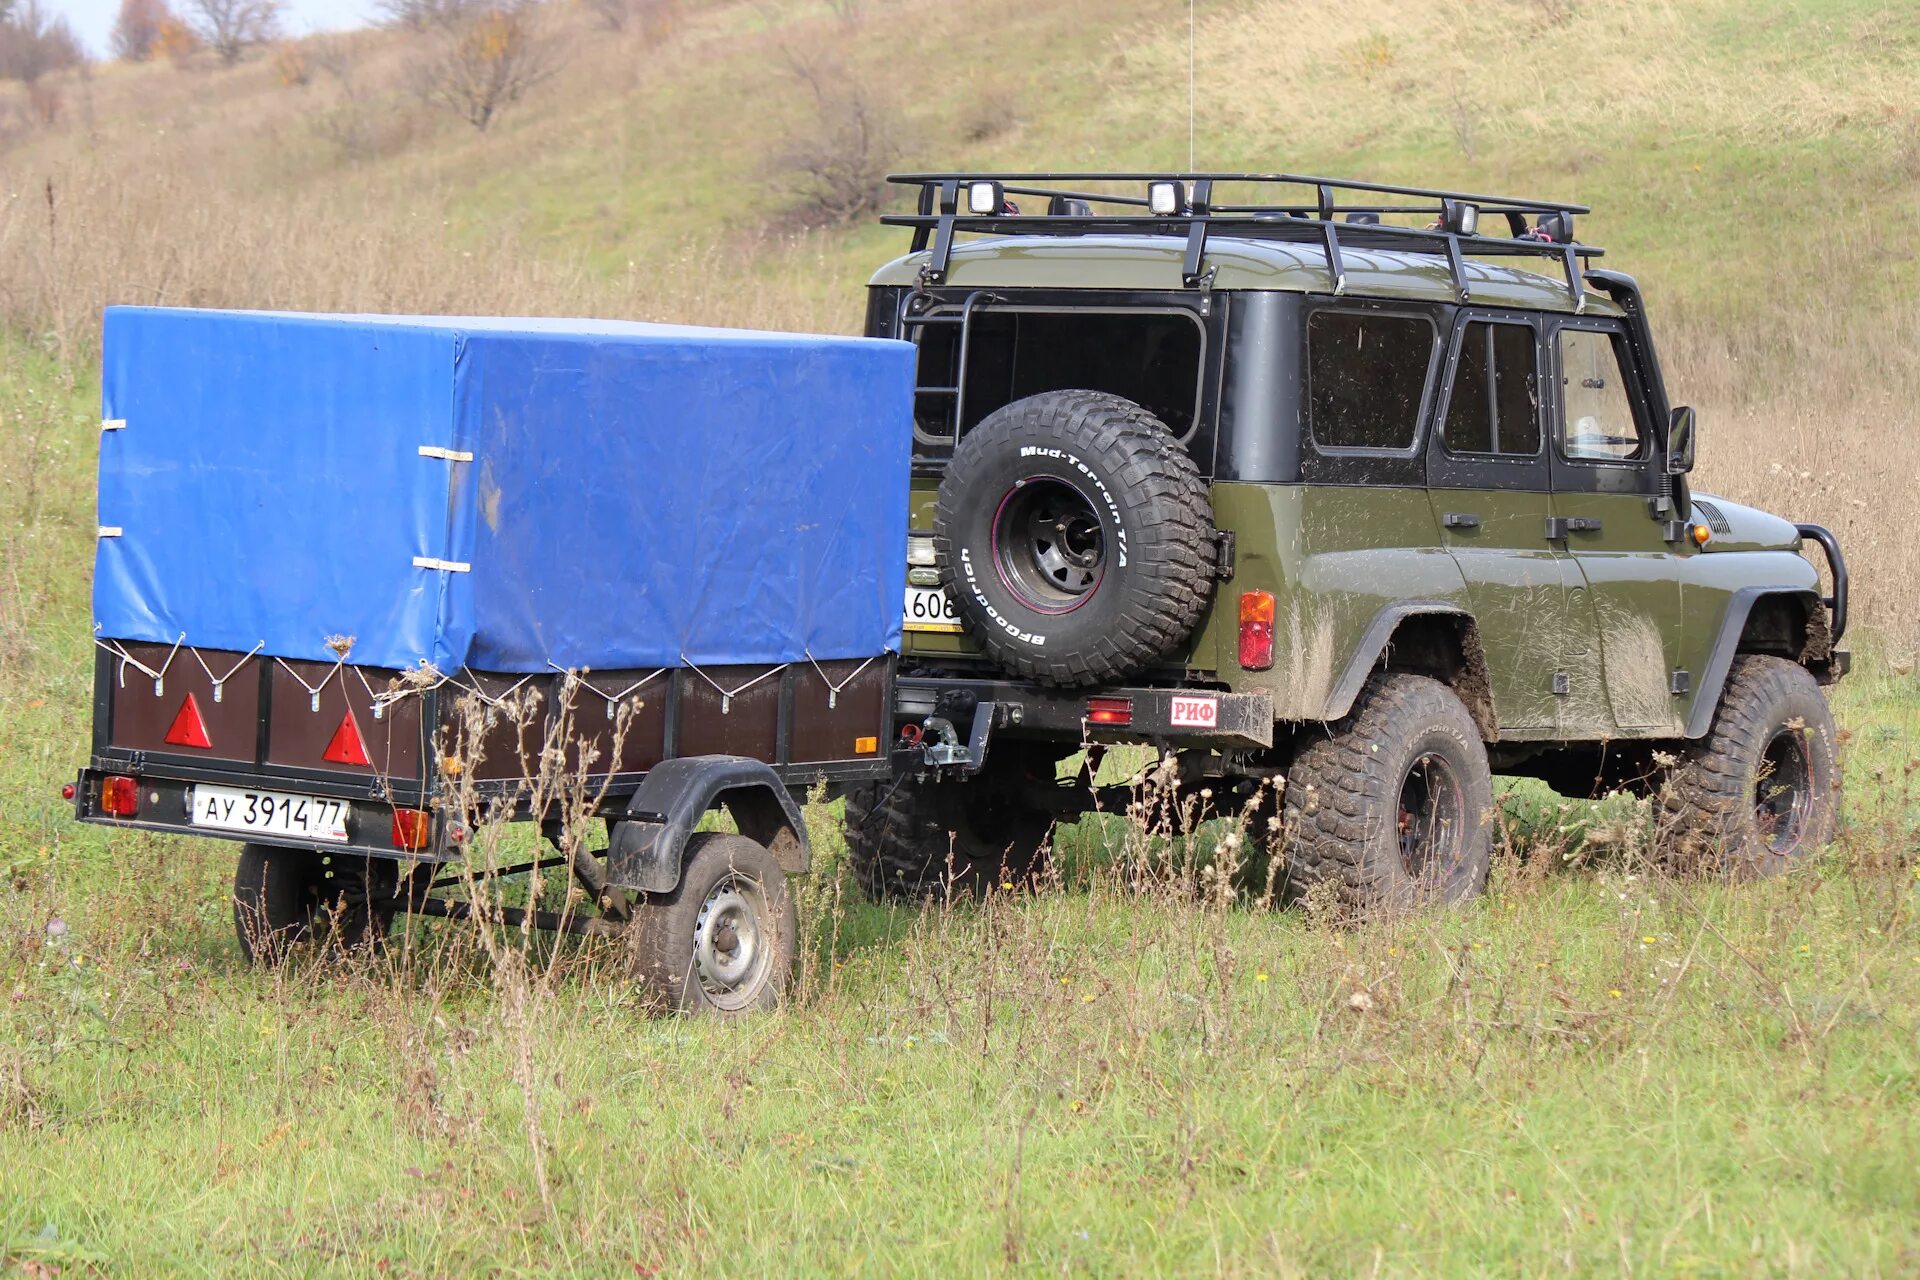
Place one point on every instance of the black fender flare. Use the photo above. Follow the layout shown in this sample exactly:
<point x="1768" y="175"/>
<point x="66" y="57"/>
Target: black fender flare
<point x="1726" y="643"/>
<point x="646" y="847"/>
<point x="1373" y="643"/>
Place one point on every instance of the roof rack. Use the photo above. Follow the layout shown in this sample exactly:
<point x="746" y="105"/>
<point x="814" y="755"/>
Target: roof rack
<point x="1340" y="213"/>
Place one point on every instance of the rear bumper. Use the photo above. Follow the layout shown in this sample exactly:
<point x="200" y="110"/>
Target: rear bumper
<point x="1242" y="721"/>
<point x="166" y="805"/>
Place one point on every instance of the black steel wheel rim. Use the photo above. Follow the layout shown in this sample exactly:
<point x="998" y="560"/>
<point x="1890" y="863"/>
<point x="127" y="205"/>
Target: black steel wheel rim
<point x="1783" y="792"/>
<point x="1048" y="545"/>
<point x="1430" y="818"/>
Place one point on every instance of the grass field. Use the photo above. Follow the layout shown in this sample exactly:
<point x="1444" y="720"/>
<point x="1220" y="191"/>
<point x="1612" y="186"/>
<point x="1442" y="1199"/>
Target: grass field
<point x="1592" y="1070"/>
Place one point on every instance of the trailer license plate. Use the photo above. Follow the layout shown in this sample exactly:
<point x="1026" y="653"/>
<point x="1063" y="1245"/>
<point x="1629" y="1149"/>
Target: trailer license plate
<point x="269" y="813"/>
<point x="1195" y="713"/>
<point x="931" y="609"/>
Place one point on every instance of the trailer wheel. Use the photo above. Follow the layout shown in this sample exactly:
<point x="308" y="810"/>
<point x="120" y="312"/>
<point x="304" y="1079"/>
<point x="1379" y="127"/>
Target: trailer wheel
<point x="285" y="897"/>
<point x="724" y="940"/>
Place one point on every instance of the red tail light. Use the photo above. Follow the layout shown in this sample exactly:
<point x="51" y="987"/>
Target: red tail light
<point x="1110" y="710"/>
<point x="120" y="797"/>
<point x="1256" y="630"/>
<point x="69" y="791"/>
<point x="412" y="828"/>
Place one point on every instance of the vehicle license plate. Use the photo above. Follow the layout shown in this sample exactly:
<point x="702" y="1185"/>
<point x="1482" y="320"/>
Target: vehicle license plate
<point x="269" y="812"/>
<point x="1195" y="713"/>
<point x="931" y="609"/>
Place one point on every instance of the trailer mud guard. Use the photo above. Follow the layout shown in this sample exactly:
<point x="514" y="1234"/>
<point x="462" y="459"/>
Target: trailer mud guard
<point x="645" y="847"/>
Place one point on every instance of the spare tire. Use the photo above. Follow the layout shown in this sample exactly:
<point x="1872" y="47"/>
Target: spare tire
<point x="1076" y="538"/>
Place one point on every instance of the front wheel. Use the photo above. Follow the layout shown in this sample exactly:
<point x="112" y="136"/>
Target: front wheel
<point x="1762" y="789"/>
<point x="724" y="940"/>
<point x="1393" y="808"/>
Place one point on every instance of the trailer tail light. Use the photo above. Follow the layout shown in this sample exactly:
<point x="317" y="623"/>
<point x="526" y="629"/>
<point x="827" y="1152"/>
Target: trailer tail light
<point x="69" y="791"/>
<point x="1110" y="711"/>
<point x="120" y="796"/>
<point x="1256" y="630"/>
<point x="412" y="828"/>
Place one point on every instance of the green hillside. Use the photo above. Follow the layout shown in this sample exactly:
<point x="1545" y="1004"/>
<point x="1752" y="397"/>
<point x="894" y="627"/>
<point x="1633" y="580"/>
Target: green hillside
<point x="1133" y="1072"/>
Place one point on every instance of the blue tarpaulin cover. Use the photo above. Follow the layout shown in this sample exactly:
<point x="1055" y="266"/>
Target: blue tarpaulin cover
<point x="638" y="495"/>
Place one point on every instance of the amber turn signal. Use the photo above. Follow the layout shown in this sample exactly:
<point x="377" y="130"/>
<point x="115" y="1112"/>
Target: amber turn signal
<point x="1700" y="535"/>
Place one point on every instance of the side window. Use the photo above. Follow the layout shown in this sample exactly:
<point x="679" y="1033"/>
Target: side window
<point x="1596" y="413"/>
<point x="1495" y="405"/>
<point x="1366" y="377"/>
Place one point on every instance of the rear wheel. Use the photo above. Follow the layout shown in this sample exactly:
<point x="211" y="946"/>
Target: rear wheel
<point x="724" y="940"/>
<point x="283" y="898"/>
<point x="910" y="840"/>
<point x="1762" y="789"/>
<point x="1394" y="808"/>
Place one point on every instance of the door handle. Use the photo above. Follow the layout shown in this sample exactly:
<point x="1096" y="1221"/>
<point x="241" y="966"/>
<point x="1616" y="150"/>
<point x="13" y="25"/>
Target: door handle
<point x="1558" y="527"/>
<point x="1460" y="520"/>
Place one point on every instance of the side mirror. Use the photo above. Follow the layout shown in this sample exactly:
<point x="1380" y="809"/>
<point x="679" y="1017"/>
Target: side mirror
<point x="1680" y="442"/>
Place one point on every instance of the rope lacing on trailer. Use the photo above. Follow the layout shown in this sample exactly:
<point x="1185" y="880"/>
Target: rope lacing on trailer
<point x="728" y="695"/>
<point x="833" y="690"/>
<point x="613" y="700"/>
<point x="159" y="677"/>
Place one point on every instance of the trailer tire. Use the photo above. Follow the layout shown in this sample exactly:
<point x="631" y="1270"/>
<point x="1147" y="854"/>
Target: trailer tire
<point x="724" y="940"/>
<point x="283" y="898"/>
<point x="1075" y="537"/>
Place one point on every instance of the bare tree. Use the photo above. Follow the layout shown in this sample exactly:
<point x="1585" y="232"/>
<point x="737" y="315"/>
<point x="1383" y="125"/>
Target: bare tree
<point x="231" y="27"/>
<point x="34" y="43"/>
<point x="137" y="29"/>
<point x="420" y="15"/>
<point x="837" y="171"/>
<point x="487" y="60"/>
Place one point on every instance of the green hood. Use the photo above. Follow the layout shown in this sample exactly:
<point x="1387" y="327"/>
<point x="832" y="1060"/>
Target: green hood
<point x="1737" y="527"/>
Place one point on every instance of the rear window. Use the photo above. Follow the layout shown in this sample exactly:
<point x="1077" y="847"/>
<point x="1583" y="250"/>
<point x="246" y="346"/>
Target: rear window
<point x="1495" y="406"/>
<point x="1366" y="376"/>
<point x="1149" y="357"/>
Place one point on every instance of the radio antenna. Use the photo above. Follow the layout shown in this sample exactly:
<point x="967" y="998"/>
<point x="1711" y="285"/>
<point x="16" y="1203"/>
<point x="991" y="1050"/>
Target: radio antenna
<point x="1190" y="45"/>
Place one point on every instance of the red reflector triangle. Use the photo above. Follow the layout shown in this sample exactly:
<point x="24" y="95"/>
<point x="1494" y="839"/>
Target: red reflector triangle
<point x="346" y="747"/>
<point x="188" y="729"/>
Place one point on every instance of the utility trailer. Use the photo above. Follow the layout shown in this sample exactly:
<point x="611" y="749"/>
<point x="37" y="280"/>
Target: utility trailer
<point x="365" y="584"/>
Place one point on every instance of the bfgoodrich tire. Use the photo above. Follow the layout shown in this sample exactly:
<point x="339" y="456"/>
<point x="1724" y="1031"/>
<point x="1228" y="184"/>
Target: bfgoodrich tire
<point x="1393" y="809"/>
<point x="285" y="897"/>
<point x="1075" y="537"/>
<point x="1762" y="789"/>
<point x="724" y="940"/>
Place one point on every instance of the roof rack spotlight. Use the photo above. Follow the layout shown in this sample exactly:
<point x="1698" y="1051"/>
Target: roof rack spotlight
<point x="1555" y="228"/>
<point x="1068" y="207"/>
<point x="1459" y="218"/>
<point x="1363" y="218"/>
<point x="986" y="198"/>
<point x="1166" y="199"/>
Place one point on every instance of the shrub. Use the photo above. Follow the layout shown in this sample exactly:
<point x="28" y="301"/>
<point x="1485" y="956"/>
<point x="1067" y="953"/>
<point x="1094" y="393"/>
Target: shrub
<point x="231" y="27"/>
<point x="489" y="56"/>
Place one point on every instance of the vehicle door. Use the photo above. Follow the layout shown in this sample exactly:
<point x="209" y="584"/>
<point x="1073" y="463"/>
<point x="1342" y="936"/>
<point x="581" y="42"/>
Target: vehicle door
<point x="1490" y="480"/>
<point x="1605" y="483"/>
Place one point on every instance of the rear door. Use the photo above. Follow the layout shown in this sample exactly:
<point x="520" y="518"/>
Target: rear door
<point x="1604" y="486"/>
<point x="1490" y="480"/>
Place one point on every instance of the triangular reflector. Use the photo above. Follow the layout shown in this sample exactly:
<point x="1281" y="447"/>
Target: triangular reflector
<point x="345" y="747"/>
<point x="188" y="729"/>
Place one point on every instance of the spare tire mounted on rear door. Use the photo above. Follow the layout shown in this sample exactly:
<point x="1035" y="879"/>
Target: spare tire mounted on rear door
<point x="1076" y="537"/>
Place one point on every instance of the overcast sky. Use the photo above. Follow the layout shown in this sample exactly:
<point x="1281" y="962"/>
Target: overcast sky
<point x="93" y="19"/>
